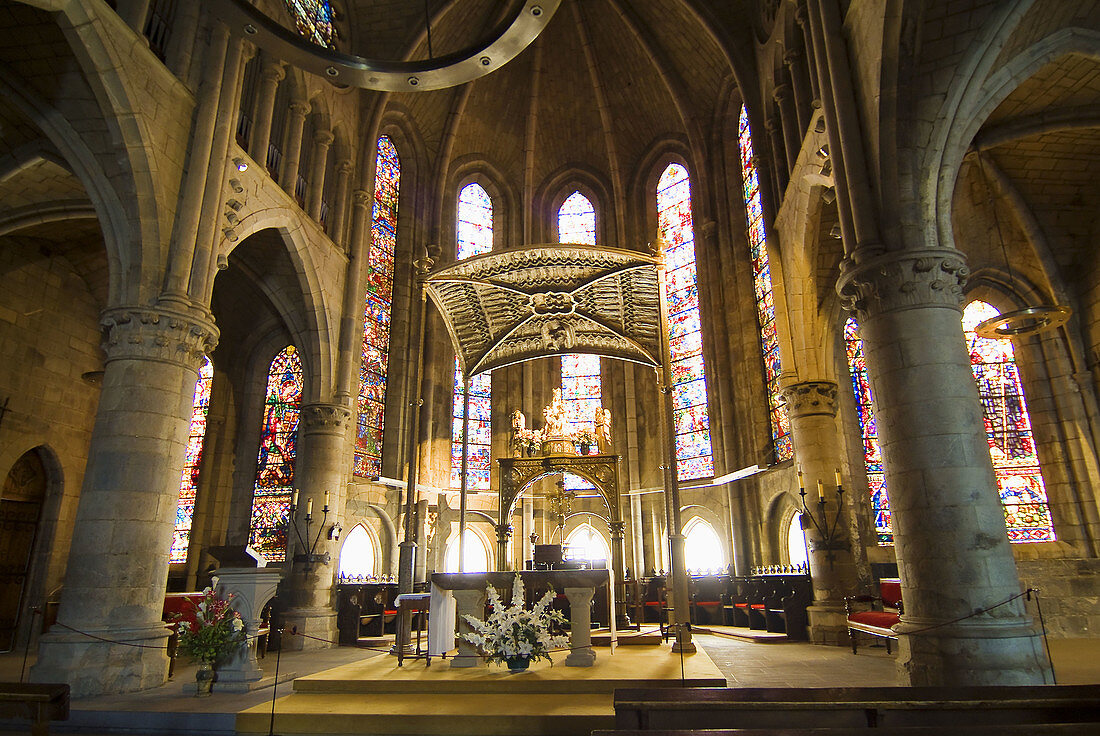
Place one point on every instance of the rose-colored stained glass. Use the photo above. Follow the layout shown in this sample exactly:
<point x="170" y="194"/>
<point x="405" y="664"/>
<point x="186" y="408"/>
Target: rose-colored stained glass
<point x="694" y="455"/>
<point x="374" y="362"/>
<point x="1008" y="431"/>
<point x="278" y="450"/>
<point x="475" y="237"/>
<point x="762" y="286"/>
<point x="577" y="220"/>
<point x="314" y="20"/>
<point x="192" y="462"/>
<point x="872" y="451"/>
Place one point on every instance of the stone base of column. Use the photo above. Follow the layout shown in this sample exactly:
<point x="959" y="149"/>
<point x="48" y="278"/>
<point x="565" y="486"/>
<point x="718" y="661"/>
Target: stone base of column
<point x="828" y="624"/>
<point x="93" y="667"/>
<point x="584" y="657"/>
<point x="317" y="624"/>
<point x="988" y="655"/>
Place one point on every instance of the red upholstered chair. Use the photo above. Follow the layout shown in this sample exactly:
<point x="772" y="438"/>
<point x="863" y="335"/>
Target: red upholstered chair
<point x="178" y="607"/>
<point x="884" y="613"/>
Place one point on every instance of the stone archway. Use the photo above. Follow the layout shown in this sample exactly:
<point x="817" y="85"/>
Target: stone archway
<point x="21" y="500"/>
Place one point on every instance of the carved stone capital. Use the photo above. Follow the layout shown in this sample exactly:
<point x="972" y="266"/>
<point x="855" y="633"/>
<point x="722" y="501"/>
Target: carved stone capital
<point x="903" y="280"/>
<point x="344" y="167"/>
<point x="792" y="56"/>
<point x="504" y="533"/>
<point x="326" y="418"/>
<point x="159" y="334"/>
<point x="273" y="72"/>
<point x="781" y="93"/>
<point x="323" y="137"/>
<point x="617" y="529"/>
<point x="811" y="398"/>
<point x="361" y="198"/>
<point x="301" y="109"/>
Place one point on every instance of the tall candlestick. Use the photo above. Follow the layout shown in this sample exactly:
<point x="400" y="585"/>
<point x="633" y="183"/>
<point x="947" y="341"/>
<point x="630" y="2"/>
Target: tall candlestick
<point x="837" y="473"/>
<point x="801" y="487"/>
<point x="326" y="492"/>
<point x="309" y="503"/>
<point x="820" y="490"/>
<point x="294" y="499"/>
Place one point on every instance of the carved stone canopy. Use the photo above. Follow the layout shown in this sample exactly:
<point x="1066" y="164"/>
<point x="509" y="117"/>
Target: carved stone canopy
<point x="516" y="305"/>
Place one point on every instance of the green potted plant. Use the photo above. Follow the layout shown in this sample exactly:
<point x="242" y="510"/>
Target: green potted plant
<point x="216" y="633"/>
<point x="514" y="635"/>
<point x="585" y="438"/>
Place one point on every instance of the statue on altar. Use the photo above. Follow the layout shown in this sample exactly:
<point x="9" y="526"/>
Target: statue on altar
<point x="556" y="438"/>
<point x="602" y="421"/>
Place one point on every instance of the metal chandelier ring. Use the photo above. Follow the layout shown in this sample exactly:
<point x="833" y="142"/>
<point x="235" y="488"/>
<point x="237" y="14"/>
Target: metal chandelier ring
<point x="508" y="39"/>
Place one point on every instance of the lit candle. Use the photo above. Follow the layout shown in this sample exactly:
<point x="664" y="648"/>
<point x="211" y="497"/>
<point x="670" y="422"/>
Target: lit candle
<point x="801" y="487"/>
<point x="309" y="503"/>
<point x="294" y="498"/>
<point x="326" y="492"/>
<point x="820" y="490"/>
<point x="837" y="473"/>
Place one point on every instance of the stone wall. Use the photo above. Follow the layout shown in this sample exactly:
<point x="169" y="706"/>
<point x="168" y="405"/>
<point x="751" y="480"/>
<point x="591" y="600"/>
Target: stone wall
<point x="1069" y="593"/>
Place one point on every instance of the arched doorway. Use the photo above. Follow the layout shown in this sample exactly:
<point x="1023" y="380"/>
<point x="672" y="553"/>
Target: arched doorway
<point x="21" y="501"/>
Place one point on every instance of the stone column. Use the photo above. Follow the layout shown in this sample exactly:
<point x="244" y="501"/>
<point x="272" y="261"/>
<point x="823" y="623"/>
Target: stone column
<point x="296" y="121"/>
<point x="472" y="603"/>
<point x="949" y="533"/>
<point x="802" y="18"/>
<point x="323" y="460"/>
<point x="322" y="141"/>
<point x="812" y="408"/>
<point x="273" y="73"/>
<point x="618" y="571"/>
<point x="109" y="637"/>
<point x="780" y="174"/>
<point x="340" y="206"/>
<point x="504" y="533"/>
<point x="801" y="86"/>
<point x="788" y="119"/>
<point x="581" y="653"/>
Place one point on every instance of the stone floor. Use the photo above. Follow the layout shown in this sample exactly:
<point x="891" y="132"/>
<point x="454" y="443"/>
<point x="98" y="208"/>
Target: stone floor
<point x="744" y="664"/>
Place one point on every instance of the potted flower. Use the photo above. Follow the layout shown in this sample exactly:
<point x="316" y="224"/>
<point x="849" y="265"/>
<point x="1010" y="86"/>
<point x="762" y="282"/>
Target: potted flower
<point x="514" y="635"/>
<point x="216" y="633"/>
<point x="586" y="438"/>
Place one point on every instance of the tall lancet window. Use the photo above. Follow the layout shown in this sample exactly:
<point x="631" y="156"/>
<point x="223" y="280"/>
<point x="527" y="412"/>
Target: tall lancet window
<point x="475" y="236"/>
<point x="192" y="462"/>
<point x="376" y="323"/>
<point x="762" y="286"/>
<point x="278" y="450"/>
<point x="872" y="451"/>
<point x="694" y="458"/>
<point x="581" y="389"/>
<point x="1008" y="430"/>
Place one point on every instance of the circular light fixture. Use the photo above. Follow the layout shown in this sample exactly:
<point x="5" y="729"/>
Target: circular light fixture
<point x="332" y="71"/>
<point x="1024" y="322"/>
<point x="240" y="164"/>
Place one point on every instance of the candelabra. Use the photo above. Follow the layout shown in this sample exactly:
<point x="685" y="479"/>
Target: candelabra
<point x="830" y="537"/>
<point x="309" y="558"/>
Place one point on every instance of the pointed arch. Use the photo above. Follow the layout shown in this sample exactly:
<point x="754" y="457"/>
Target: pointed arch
<point x="359" y="554"/>
<point x="277" y="454"/>
<point x="762" y="288"/>
<point x="577" y="220"/>
<point x="694" y="455"/>
<point x="476" y="550"/>
<point x="585" y="542"/>
<point x="192" y="463"/>
<point x="1008" y="430"/>
<point x="703" y="551"/>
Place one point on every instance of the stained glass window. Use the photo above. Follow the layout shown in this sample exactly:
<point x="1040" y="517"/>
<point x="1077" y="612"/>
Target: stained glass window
<point x="192" y="462"/>
<point x="314" y="20"/>
<point x="694" y="457"/>
<point x="872" y="451"/>
<point x="1008" y="430"/>
<point x="376" y="322"/>
<point x="762" y="286"/>
<point x="278" y="449"/>
<point x="475" y="237"/>
<point x="577" y="220"/>
<point x="581" y="390"/>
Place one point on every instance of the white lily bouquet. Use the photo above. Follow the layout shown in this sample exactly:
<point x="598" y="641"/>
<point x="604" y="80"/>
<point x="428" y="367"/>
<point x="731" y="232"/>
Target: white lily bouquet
<point x="512" y="632"/>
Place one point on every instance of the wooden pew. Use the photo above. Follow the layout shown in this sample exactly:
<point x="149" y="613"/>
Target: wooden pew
<point x="39" y="703"/>
<point x="961" y="708"/>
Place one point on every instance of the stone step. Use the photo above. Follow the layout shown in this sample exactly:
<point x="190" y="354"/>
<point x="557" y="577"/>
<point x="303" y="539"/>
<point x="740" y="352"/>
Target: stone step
<point x="442" y="714"/>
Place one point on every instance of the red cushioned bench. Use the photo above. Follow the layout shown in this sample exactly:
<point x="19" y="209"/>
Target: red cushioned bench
<point x="876" y="621"/>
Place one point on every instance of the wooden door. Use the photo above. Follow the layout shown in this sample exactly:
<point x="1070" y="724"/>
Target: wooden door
<point x="20" y="509"/>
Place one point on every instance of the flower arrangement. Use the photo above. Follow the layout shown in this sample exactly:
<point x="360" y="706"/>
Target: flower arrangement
<point x="512" y="632"/>
<point x="530" y="440"/>
<point x="585" y="436"/>
<point x="216" y="633"/>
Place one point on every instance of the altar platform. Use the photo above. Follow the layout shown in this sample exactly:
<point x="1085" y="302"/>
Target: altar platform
<point x="546" y="700"/>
